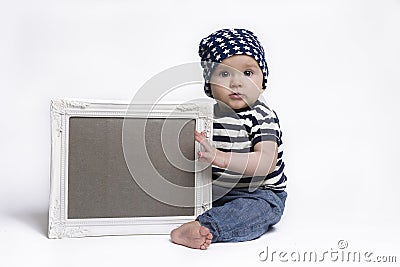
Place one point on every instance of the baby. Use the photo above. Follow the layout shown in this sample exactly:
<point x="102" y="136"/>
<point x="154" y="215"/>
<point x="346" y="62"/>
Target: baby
<point x="246" y="154"/>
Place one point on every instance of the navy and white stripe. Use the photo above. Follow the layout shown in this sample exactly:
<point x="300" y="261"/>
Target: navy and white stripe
<point x="239" y="132"/>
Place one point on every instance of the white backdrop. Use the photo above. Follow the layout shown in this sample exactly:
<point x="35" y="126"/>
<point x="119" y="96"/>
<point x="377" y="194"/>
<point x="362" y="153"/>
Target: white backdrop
<point x="334" y="82"/>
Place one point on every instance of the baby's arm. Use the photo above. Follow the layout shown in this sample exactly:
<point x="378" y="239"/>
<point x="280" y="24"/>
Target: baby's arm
<point x="258" y="163"/>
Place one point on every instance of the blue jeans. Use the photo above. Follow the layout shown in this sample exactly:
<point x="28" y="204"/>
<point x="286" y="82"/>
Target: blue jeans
<point x="241" y="215"/>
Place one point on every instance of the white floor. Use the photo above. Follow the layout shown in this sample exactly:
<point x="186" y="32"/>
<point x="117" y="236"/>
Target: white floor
<point x="24" y="242"/>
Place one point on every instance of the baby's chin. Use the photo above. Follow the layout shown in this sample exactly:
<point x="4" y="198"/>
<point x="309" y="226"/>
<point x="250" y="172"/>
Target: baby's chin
<point x="235" y="105"/>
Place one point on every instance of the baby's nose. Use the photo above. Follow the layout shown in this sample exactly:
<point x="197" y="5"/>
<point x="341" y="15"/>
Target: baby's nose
<point x="236" y="81"/>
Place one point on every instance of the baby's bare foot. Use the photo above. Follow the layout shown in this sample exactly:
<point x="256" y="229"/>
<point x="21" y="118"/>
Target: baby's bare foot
<point x="192" y="235"/>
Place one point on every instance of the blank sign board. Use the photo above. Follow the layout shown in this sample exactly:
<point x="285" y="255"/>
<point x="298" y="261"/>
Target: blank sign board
<point x="100" y="184"/>
<point x="126" y="169"/>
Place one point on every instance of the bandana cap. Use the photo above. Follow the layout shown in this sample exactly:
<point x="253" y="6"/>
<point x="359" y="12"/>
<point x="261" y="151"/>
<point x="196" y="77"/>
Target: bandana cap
<point x="225" y="43"/>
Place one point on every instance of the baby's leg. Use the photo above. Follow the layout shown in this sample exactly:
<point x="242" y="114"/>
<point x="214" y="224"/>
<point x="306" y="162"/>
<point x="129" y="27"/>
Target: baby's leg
<point x="243" y="216"/>
<point x="192" y="235"/>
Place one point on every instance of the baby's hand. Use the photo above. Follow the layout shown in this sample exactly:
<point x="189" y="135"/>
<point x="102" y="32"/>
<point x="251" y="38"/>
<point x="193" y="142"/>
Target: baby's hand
<point x="210" y="153"/>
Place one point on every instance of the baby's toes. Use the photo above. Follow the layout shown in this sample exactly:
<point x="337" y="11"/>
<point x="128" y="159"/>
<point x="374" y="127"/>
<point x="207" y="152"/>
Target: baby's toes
<point x="204" y="231"/>
<point x="209" y="236"/>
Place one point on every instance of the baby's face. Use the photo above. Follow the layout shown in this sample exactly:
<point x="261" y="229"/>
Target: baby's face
<point x="237" y="81"/>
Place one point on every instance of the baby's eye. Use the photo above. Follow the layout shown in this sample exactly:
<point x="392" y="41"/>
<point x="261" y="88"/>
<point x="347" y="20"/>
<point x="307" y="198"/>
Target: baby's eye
<point x="248" y="73"/>
<point x="223" y="74"/>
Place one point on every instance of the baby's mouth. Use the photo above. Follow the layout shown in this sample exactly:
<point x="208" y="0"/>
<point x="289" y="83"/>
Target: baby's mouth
<point x="236" y="96"/>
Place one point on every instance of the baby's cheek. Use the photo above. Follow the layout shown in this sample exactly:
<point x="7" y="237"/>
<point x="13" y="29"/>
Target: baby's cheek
<point x="254" y="83"/>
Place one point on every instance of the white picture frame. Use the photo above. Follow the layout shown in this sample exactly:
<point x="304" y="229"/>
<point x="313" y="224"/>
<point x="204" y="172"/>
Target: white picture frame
<point x="61" y="224"/>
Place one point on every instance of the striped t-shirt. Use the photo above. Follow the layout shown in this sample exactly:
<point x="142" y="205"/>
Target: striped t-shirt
<point x="239" y="132"/>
